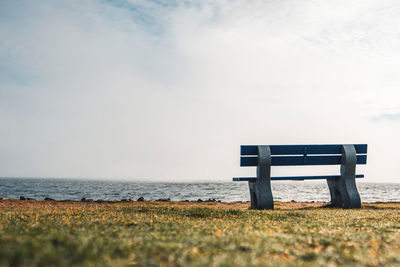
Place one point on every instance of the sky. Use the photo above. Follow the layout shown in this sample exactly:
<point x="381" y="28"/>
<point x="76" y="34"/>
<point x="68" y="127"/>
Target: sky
<point x="168" y="90"/>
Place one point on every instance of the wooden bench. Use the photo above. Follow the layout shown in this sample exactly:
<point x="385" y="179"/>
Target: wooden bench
<point x="342" y="187"/>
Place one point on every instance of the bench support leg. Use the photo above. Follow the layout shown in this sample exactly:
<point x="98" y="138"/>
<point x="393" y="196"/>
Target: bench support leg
<point x="343" y="190"/>
<point x="260" y="190"/>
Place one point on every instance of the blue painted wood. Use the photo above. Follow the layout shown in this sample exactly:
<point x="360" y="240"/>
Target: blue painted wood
<point x="301" y="160"/>
<point x="250" y="150"/>
<point x="300" y="178"/>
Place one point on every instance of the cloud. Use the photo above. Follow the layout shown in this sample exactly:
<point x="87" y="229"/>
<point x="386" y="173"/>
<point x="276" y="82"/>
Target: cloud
<point x="169" y="90"/>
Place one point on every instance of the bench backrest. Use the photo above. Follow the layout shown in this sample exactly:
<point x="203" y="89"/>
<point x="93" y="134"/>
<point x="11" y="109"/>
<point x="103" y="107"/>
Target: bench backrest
<point x="298" y="155"/>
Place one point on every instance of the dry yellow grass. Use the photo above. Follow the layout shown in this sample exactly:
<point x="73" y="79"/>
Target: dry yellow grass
<point x="38" y="233"/>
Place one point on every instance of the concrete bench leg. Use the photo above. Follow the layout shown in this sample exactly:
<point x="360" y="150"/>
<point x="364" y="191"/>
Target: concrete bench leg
<point x="336" y="200"/>
<point x="260" y="190"/>
<point x="343" y="190"/>
<point x="253" y="196"/>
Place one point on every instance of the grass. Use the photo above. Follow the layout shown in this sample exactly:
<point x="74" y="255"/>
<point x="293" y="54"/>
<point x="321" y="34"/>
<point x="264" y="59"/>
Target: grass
<point x="46" y="233"/>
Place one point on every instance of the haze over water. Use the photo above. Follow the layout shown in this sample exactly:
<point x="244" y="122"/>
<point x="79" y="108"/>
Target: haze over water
<point x="171" y="89"/>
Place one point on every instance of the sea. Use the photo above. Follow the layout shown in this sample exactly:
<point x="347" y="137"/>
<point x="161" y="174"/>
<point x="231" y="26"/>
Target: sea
<point x="76" y="189"/>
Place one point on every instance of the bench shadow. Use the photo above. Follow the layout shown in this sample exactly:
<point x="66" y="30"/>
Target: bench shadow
<point x="370" y="207"/>
<point x="330" y="206"/>
<point x="308" y="208"/>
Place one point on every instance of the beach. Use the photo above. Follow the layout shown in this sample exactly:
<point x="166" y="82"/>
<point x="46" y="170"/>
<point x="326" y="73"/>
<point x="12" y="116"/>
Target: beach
<point x="207" y="233"/>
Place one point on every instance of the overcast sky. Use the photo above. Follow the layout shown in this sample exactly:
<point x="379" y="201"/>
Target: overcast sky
<point x="168" y="90"/>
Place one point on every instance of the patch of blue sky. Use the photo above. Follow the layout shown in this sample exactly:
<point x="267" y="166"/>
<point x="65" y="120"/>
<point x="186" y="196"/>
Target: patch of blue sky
<point x="387" y="116"/>
<point x="146" y="14"/>
<point x="8" y="76"/>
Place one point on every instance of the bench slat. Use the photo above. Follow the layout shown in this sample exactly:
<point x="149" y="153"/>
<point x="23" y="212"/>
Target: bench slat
<point x="300" y="160"/>
<point x="299" y="178"/>
<point x="300" y="149"/>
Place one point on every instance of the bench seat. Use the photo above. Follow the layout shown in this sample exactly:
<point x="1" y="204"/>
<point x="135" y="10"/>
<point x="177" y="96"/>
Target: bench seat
<point x="294" y="178"/>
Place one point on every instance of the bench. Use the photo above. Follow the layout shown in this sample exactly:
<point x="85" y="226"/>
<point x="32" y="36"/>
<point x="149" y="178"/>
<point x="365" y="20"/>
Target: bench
<point x="342" y="187"/>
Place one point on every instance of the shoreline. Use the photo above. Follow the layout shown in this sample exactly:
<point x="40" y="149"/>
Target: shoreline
<point x="142" y="199"/>
<point x="242" y="205"/>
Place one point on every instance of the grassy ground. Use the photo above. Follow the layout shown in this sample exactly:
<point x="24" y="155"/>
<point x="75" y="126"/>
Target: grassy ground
<point x="42" y="233"/>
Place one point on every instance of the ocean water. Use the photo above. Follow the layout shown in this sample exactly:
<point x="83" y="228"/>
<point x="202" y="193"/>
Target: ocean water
<point x="75" y="189"/>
